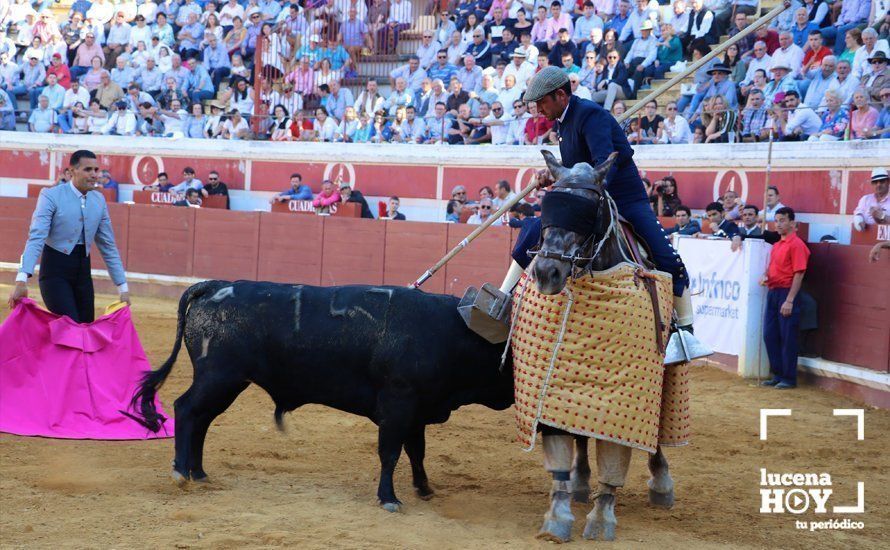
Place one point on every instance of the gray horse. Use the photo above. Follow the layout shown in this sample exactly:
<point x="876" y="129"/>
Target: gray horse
<point x="562" y="253"/>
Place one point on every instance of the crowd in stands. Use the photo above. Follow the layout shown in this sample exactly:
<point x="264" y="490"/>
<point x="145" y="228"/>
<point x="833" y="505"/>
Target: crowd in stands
<point x="189" y="68"/>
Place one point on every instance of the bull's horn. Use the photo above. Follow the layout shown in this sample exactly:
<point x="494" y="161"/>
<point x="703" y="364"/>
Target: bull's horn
<point x="556" y="169"/>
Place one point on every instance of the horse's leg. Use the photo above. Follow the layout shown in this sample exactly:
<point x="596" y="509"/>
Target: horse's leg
<point x="612" y="462"/>
<point x="661" y="485"/>
<point x="558" y="461"/>
<point x="581" y="471"/>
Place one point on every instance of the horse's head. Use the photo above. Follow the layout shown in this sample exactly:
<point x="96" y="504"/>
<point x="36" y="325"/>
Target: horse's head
<point x="575" y="217"/>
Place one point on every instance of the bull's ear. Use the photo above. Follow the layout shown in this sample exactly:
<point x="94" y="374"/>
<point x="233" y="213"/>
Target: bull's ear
<point x="603" y="168"/>
<point x="556" y="169"/>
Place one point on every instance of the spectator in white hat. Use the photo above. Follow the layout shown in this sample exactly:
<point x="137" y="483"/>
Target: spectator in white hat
<point x="875" y="207"/>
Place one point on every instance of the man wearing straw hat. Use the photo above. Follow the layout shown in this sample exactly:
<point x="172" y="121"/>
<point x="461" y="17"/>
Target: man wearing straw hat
<point x="588" y="133"/>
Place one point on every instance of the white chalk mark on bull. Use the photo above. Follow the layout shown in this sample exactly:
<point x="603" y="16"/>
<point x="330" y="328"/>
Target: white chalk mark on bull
<point x="223" y="293"/>
<point x="387" y="291"/>
<point x="298" y="292"/>
<point x="350" y="312"/>
<point x="205" y="346"/>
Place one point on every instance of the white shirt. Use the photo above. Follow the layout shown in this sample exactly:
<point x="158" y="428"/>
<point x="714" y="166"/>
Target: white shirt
<point x="804" y="118"/>
<point x="676" y="132"/>
<point x="860" y="65"/>
<point x="583" y="92"/>
<point x="523" y="73"/>
<point x="508" y="97"/>
<point x="82" y="95"/>
<point x="234" y="130"/>
<point x="228" y="12"/>
<point x="140" y="35"/>
<point x="500" y="133"/>
<point x="325" y="131"/>
<point x="517" y="129"/>
<point x="791" y="58"/>
<point x="845" y="89"/>
<point x="764" y="63"/>
<point x="124" y="125"/>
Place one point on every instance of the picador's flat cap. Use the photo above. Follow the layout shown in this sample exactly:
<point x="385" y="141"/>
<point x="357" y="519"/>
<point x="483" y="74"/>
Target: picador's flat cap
<point x="549" y="79"/>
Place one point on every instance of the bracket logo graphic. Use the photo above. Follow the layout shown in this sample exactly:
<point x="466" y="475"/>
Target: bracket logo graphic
<point x="797" y="493"/>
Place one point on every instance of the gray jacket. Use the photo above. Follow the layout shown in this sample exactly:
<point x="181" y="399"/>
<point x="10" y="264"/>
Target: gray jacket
<point x="60" y="218"/>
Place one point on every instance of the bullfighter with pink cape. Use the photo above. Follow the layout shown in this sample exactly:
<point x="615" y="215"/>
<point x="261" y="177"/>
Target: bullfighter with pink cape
<point x="67" y="380"/>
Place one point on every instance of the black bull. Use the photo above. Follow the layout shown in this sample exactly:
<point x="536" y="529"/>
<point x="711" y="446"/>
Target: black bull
<point x="402" y="358"/>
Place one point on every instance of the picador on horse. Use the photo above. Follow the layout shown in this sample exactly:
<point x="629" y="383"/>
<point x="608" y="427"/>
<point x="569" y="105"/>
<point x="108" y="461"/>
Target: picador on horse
<point x="590" y="319"/>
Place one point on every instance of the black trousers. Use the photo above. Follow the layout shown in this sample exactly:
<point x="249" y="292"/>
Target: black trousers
<point x="66" y="283"/>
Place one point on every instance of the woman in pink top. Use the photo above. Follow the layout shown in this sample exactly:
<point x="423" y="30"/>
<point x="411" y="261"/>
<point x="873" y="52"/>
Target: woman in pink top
<point x="327" y="197"/>
<point x="864" y="117"/>
<point x="93" y="77"/>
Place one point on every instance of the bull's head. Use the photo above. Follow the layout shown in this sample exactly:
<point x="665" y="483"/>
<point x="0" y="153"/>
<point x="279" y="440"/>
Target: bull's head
<point x="575" y="217"/>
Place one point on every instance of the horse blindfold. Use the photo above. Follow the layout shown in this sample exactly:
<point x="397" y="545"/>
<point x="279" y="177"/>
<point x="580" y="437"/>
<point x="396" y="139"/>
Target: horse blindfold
<point x="571" y="212"/>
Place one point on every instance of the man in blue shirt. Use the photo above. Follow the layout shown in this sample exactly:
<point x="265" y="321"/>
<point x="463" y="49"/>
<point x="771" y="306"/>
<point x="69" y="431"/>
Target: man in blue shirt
<point x="216" y="60"/>
<point x="200" y="83"/>
<point x="441" y="69"/>
<point x="42" y="119"/>
<point x="298" y="191"/>
<point x="685" y="224"/>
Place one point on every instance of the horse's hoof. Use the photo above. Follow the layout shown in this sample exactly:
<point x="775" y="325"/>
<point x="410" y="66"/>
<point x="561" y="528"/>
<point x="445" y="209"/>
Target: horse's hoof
<point x="392" y="506"/>
<point x="661" y="500"/>
<point x="178" y="479"/>
<point x="555" y="530"/>
<point x="581" y="496"/>
<point x="599" y="530"/>
<point x="202" y="479"/>
<point x="601" y="521"/>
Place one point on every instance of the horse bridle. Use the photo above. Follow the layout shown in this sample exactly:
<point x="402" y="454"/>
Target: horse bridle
<point x="595" y="237"/>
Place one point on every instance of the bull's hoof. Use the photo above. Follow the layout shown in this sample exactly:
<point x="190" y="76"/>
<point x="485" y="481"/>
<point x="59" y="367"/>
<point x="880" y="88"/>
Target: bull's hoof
<point x="581" y="495"/>
<point x="392" y="506"/>
<point x="555" y="530"/>
<point x="661" y="500"/>
<point x="178" y="479"/>
<point x="424" y="493"/>
<point x="202" y="479"/>
<point x="601" y="521"/>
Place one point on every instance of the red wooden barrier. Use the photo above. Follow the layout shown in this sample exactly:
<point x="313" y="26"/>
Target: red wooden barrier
<point x="15" y="218"/>
<point x="161" y="240"/>
<point x="226" y="244"/>
<point x="348" y="210"/>
<point x="871" y="235"/>
<point x="411" y="249"/>
<point x="854" y="304"/>
<point x="163" y="199"/>
<point x="290" y="248"/>
<point x="485" y="261"/>
<point x="353" y="251"/>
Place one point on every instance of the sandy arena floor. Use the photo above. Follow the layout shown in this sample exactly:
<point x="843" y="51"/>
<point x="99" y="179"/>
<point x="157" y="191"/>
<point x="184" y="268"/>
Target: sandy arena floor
<point x="315" y="486"/>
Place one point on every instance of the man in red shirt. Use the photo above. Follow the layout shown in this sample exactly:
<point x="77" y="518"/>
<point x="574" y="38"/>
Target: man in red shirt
<point x="815" y="53"/>
<point x="784" y="276"/>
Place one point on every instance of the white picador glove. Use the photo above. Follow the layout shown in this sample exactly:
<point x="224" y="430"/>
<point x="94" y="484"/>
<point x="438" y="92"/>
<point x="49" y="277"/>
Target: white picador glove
<point x="513" y="275"/>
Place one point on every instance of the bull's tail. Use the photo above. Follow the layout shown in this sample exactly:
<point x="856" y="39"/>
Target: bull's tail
<point x="143" y="401"/>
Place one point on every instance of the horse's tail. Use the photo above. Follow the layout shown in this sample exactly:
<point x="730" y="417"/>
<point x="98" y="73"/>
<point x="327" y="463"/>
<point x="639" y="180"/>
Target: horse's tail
<point x="143" y="401"/>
